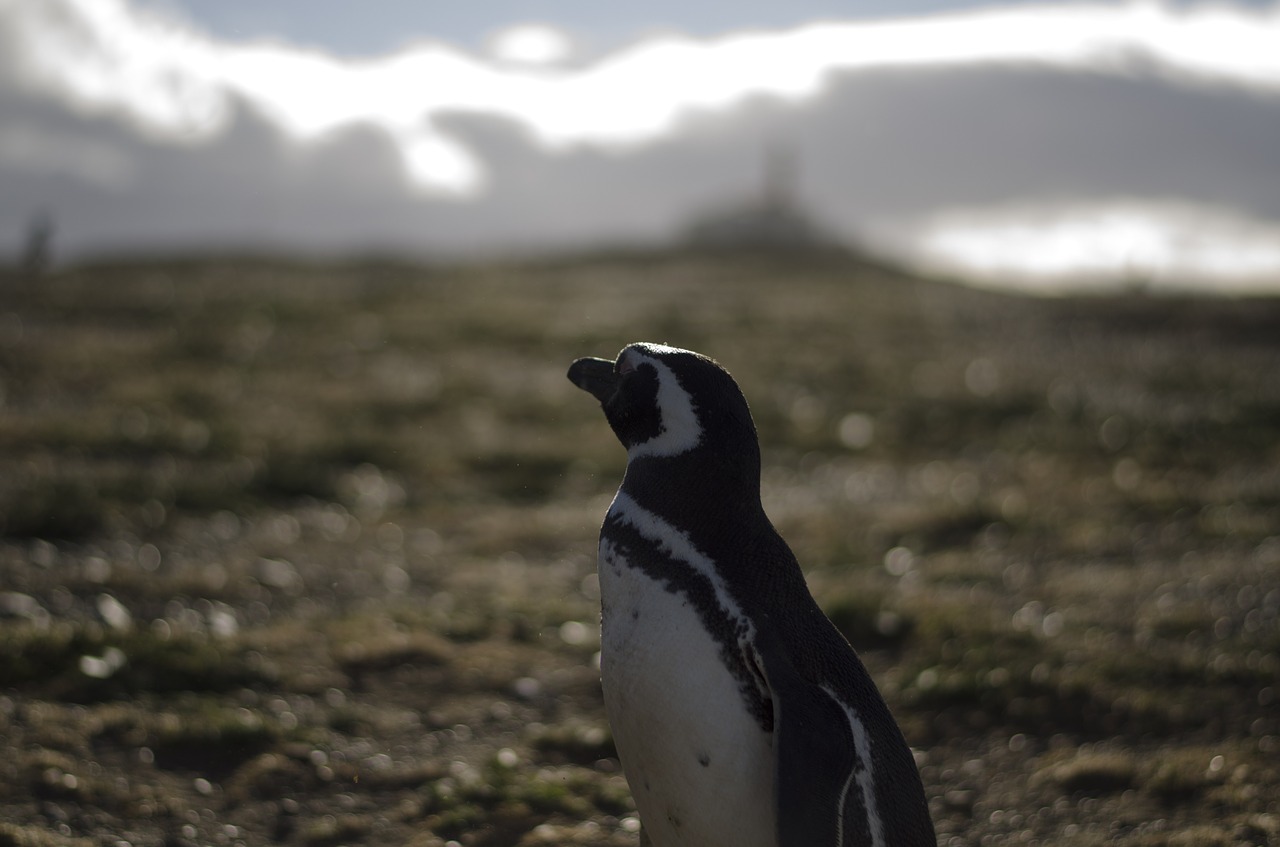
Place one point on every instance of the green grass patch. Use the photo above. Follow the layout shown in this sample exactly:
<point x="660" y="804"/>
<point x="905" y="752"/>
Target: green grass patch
<point x="87" y="663"/>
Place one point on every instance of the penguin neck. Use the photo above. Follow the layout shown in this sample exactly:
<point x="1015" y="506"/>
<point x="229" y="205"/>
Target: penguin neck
<point x="726" y="488"/>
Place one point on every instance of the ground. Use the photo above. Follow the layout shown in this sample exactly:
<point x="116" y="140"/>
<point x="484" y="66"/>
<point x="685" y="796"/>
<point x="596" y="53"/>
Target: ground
<point x="304" y="554"/>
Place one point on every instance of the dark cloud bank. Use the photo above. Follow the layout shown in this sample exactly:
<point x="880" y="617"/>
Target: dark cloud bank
<point x="876" y="152"/>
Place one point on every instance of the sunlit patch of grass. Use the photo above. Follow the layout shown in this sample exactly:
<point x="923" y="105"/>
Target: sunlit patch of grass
<point x="1183" y="773"/>
<point x="270" y="776"/>
<point x="1091" y="772"/>
<point x="1199" y="835"/>
<point x="88" y="663"/>
<point x="14" y="835"/>
<point x="337" y="829"/>
<point x="544" y="793"/>
<point x="413" y="775"/>
<point x="54" y="775"/>
<point x="362" y="644"/>
<point x="505" y="800"/>
<point x="192" y="733"/>
<point x="968" y="670"/>
<point x="575" y="742"/>
<point x="1173" y="778"/>
<point x="200" y="722"/>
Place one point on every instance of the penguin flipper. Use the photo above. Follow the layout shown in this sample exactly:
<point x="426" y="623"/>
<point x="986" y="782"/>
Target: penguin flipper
<point x="814" y="754"/>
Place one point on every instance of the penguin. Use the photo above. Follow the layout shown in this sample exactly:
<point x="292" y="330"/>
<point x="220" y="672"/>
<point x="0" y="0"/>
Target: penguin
<point x="742" y="717"/>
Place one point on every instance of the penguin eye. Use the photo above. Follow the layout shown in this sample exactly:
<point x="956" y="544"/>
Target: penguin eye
<point x="625" y="367"/>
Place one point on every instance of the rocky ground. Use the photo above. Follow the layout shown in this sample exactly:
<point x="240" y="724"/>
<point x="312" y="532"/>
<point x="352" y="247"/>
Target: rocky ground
<point x="304" y="554"/>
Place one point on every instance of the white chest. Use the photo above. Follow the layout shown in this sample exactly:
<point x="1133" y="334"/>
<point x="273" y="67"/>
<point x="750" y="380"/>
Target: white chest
<point x="700" y="767"/>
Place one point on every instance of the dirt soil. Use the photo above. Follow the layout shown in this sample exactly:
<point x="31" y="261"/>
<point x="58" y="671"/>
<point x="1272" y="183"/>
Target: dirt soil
<point x="304" y="554"/>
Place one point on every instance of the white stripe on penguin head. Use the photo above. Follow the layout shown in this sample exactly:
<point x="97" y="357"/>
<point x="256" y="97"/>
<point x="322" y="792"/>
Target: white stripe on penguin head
<point x="680" y="429"/>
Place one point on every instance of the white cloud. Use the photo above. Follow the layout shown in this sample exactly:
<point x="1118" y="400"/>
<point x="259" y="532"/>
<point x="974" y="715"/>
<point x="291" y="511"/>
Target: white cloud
<point x="531" y="44"/>
<point x="1058" y="247"/>
<point x="109" y="57"/>
<point x="982" y="113"/>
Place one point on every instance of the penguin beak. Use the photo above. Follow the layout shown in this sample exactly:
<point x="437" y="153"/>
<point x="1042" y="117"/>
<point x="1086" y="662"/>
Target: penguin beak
<point x="594" y="376"/>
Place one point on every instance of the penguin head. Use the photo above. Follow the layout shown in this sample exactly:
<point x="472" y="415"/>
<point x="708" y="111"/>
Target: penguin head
<point x="665" y="402"/>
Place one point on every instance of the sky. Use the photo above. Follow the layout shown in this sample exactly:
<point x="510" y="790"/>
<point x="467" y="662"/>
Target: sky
<point x="1047" y="146"/>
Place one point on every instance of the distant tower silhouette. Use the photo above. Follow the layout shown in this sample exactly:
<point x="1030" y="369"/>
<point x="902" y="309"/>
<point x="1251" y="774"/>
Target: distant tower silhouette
<point x="37" y="249"/>
<point x="773" y="217"/>
<point x="781" y="175"/>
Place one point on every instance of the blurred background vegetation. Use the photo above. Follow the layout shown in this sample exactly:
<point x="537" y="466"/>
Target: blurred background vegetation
<point x="304" y="553"/>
